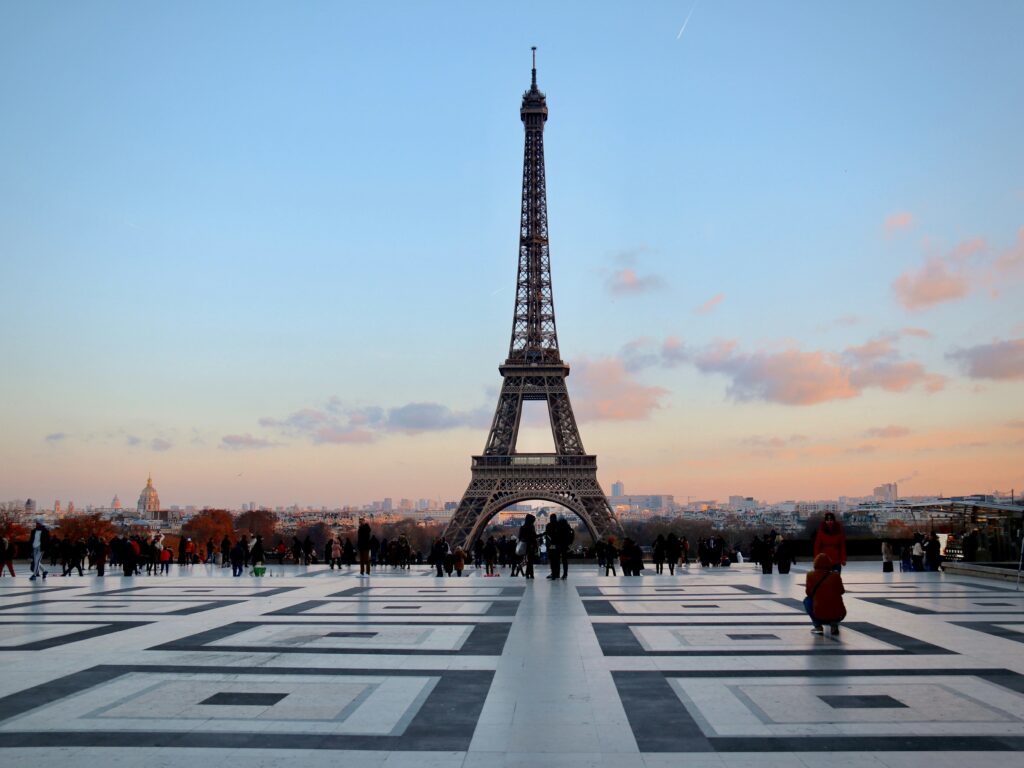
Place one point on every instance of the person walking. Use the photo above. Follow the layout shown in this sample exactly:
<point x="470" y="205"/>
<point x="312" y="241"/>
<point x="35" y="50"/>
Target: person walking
<point x="99" y="556"/>
<point x="363" y="536"/>
<point x="673" y="550"/>
<point x="611" y="554"/>
<point x="658" y="554"/>
<point x="824" y="590"/>
<point x="437" y="553"/>
<point x="917" y="554"/>
<point x="40" y="539"/>
<point x="237" y="559"/>
<point x="528" y="537"/>
<point x="7" y="548"/>
<point x="490" y="553"/>
<point x="831" y="540"/>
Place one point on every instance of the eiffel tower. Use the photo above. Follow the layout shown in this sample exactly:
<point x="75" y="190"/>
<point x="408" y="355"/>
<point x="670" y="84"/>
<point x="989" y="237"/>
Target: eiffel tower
<point x="533" y="371"/>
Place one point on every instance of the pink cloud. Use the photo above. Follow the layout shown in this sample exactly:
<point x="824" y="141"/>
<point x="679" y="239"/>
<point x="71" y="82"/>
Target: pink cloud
<point x="932" y="284"/>
<point x="710" y="305"/>
<point x="887" y="433"/>
<point x="605" y="390"/>
<point x="626" y="282"/>
<point x="919" y="333"/>
<point x="897" y="221"/>
<point x="796" y="377"/>
<point x="791" y="377"/>
<point x="1001" y="360"/>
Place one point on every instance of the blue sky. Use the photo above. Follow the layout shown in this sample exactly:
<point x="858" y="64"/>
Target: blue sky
<point x="214" y="216"/>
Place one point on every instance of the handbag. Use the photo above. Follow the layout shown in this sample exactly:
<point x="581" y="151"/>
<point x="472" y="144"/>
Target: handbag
<point x="809" y="600"/>
<point x="521" y="548"/>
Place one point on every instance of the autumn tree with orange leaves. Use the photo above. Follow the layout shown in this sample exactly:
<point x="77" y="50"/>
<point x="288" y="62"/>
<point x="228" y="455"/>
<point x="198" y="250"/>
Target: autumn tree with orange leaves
<point x="76" y="527"/>
<point x="210" y="524"/>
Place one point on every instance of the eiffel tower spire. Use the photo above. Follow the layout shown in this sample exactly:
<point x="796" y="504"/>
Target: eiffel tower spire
<point x="534" y="370"/>
<point x="534" y="337"/>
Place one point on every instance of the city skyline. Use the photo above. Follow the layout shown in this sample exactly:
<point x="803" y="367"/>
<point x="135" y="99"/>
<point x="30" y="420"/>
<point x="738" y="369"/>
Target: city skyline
<point x="251" y="276"/>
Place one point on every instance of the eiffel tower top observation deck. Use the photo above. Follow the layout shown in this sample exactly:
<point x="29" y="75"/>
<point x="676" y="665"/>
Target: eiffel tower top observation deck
<point x="534" y="370"/>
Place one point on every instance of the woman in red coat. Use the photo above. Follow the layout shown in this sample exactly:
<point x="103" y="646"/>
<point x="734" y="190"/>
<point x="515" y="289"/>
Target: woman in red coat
<point x="824" y="601"/>
<point x="832" y="541"/>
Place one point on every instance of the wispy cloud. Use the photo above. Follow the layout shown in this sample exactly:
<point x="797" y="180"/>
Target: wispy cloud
<point x="934" y="283"/>
<point x="245" y="442"/>
<point x="336" y="423"/>
<point x="919" y="333"/>
<point x="950" y="276"/>
<point x="897" y="221"/>
<point x="770" y="446"/>
<point x="56" y="437"/>
<point x="887" y="433"/>
<point x="160" y="444"/>
<point x="626" y="282"/>
<point x="710" y="305"/>
<point x="1001" y="360"/>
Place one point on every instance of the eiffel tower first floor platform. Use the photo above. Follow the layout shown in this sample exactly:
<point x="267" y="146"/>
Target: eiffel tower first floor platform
<point x="500" y="481"/>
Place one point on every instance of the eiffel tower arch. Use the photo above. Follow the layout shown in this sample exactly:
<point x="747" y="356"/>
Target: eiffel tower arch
<point x="534" y="370"/>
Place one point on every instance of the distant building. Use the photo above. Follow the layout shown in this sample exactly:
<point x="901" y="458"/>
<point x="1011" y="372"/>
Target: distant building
<point x="71" y="508"/>
<point x="30" y="506"/>
<point x="149" y="501"/>
<point x="618" y="489"/>
<point x="886" y="492"/>
<point x="116" y="503"/>
<point x="56" y="507"/>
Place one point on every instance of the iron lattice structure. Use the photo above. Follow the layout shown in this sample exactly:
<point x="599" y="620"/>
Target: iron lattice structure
<point x="534" y="370"/>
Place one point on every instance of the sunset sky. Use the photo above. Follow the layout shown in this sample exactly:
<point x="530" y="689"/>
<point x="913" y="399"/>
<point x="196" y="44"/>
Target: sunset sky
<point x="267" y="251"/>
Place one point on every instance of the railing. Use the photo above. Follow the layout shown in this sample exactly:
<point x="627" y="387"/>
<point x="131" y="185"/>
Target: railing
<point x="535" y="460"/>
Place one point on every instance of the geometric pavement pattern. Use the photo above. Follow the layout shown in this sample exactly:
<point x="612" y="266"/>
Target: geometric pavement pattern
<point x="710" y="667"/>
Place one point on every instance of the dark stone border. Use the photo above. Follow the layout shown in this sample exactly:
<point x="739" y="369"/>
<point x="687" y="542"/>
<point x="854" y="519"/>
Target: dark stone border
<point x="265" y="592"/>
<point x="101" y="628"/>
<point x="444" y="722"/>
<point x="617" y="639"/>
<point x="659" y="592"/>
<point x="498" y="608"/>
<point x="888" y="602"/>
<point x="485" y="640"/>
<point x="993" y="628"/>
<point x="604" y="607"/>
<point x="662" y="723"/>
<point x="430" y="591"/>
<point x="198" y="607"/>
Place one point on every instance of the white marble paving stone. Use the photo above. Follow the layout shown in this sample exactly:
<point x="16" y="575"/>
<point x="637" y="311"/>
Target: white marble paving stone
<point x="552" y="701"/>
<point x="716" y="638"/>
<point x="396" y="637"/>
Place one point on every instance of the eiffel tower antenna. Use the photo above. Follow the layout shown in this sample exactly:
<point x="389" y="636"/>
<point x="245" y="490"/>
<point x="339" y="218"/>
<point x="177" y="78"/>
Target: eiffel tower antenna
<point x="533" y="370"/>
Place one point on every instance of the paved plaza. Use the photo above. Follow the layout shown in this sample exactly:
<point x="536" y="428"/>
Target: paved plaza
<point x="310" y="667"/>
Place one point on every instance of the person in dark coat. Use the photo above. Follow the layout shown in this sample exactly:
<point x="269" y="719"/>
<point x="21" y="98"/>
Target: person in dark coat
<point x="673" y="550"/>
<point x="932" y="552"/>
<point x="658" y="554"/>
<point x="783" y="554"/>
<point x="528" y="535"/>
<point x="256" y="555"/>
<point x="237" y="559"/>
<point x="611" y="554"/>
<point x="566" y="536"/>
<point x="490" y="555"/>
<point x="225" y="551"/>
<point x="552" y="539"/>
<point x="363" y="536"/>
<point x="437" y="554"/>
